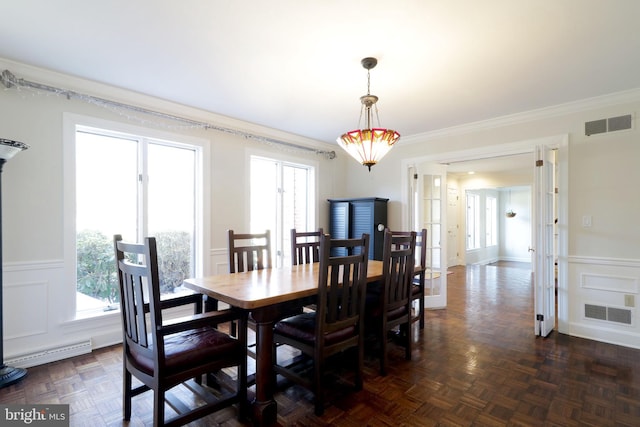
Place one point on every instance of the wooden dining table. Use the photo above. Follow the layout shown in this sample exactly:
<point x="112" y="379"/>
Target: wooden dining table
<point x="265" y="294"/>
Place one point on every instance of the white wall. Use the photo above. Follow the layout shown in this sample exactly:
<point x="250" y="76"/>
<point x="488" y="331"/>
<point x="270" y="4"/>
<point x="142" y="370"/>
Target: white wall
<point x="515" y="233"/>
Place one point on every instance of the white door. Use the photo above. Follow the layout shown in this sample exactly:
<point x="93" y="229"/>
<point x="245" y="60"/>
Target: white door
<point x="543" y="238"/>
<point x="452" y="226"/>
<point x="429" y="194"/>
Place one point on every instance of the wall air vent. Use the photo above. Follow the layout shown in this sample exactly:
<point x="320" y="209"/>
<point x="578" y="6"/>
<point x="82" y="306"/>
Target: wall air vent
<point x="610" y="314"/>
<point x="611" y="124"/>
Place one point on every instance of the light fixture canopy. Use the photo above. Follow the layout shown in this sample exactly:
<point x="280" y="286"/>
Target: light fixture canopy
<point x="370" y="144"/>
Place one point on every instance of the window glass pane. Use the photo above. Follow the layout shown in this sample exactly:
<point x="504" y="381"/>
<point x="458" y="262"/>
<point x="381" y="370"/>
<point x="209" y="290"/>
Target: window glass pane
<point x="492" y="221"/>
<point x="295" y="205"/>
<point x="101" y="195"/>
<point x="264" y="190"/>
<point x="113" y="196"/>
<point x="281" y="199"/>
<point x="171" y="211"/>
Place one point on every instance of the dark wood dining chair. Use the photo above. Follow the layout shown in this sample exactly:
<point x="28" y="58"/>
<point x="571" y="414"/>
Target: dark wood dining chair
<point x="305" y="246"/>
<point x="417" y="292"/>
<point x="305" y="249"/>
<point x="249" y="251"/>
<point x="391" y="308"/>
<point x="163" y="353"/>
<point x="337" y="323"/>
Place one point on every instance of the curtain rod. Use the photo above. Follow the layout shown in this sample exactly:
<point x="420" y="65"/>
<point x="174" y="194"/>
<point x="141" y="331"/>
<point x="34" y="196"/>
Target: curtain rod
<point x="9" y="80"/>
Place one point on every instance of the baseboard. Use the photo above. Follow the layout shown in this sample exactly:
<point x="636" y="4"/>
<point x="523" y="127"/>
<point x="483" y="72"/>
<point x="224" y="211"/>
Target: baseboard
<point x="49" y="355"/>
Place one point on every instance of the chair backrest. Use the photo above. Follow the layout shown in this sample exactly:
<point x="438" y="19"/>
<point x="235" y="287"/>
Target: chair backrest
<point x="341" y="286"/>
<point x="421" y="245"/>
<point x="249" y="251"/>
<point x="398" y="269"/>
<point x="305" y="246"/>
<point x="137" y="268"/>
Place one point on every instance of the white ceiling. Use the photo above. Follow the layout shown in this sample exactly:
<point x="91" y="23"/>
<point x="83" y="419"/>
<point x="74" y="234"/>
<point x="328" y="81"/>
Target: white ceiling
<point x="294" y="65"/>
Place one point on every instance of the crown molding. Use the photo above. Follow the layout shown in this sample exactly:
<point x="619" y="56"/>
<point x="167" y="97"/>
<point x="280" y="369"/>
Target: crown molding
<point x="93" y="88"/>
<point x="617" y="98"/>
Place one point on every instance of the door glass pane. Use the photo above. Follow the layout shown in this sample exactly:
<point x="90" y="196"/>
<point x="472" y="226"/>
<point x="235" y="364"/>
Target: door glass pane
<point x="171" y="212"/>
<point x="101" y="195"/>
<point x="432" y="222"/>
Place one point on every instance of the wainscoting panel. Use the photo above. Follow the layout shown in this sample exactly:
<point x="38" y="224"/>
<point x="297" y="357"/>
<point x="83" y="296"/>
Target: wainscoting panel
<point x="219" y="261"/>
<point x="603" y="298"/>
<point x="26" y="310"/>
<point x="609" y="282"/>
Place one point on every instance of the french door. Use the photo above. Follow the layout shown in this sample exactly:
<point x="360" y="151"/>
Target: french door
<point x="429" y="210"/>
<point x="543" y="237"/>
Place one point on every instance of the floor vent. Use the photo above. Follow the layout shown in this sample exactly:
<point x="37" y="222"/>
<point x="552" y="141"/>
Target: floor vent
<point x="611" y="314"/>
<point x="611" y="124"/>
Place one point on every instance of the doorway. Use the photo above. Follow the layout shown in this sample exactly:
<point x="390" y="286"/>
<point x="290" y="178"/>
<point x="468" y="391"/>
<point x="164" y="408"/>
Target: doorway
<point x="509" y="152"/>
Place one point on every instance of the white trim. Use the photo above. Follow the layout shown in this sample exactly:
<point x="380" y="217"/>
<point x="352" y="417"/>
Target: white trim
<point x="594" y="330"/>
<point x="32" y="265"/>
<point x="613" y="99"/>
<point x="615" y="262"/>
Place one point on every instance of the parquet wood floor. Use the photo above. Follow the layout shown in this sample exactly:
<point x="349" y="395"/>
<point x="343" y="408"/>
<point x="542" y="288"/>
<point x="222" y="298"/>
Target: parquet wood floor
<point x="477" y="363"/>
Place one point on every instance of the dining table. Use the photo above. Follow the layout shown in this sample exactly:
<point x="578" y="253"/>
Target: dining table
<point x="266" y="294"/>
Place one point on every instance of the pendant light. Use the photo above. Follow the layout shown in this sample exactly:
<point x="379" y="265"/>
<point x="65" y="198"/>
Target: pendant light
<point x="510" y="213"/>
<point x="368" y="145"/>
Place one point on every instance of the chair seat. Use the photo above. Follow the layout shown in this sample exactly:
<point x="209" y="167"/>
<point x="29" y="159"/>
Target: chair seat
<point x="191" y="348"/>
<point x="373" y="308"/>
<point x="415" y="290"/>
<point x="303" y="328"/>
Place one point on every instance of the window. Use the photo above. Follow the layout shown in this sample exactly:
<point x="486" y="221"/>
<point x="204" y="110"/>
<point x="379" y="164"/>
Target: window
<point x="282" y="198"/>
<point x="492" y="221"/>
<point x="136" y="186"/>
<point x="473" y="221"/>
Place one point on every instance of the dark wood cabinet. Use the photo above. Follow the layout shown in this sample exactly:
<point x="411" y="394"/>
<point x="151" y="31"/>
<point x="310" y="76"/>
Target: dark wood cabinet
<point x="349" y="218"/>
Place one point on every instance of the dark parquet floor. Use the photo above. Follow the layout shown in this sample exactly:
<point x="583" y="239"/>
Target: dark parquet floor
<point x="477" y="363"/>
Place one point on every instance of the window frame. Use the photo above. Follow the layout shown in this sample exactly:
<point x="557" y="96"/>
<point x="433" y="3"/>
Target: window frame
<point x="71" y="122"/>
<point x="312" y="188"/>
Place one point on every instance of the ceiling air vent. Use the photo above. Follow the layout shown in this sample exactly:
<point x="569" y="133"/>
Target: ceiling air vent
<point x="611" y="124"/>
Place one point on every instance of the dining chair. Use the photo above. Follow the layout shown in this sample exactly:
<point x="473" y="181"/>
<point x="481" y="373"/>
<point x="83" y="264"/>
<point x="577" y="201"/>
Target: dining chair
<point x="391" y="308"/>
<point x="305" y="246"/>
<point x="337" y="323"/>
<point x="417" y="291"/>
<point x="249" y="251"/>
<point x="305" y="249"/>
<point x="163" y="353"/>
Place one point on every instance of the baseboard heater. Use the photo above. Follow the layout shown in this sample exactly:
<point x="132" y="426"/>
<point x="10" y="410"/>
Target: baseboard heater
<point x="50" y="355"/>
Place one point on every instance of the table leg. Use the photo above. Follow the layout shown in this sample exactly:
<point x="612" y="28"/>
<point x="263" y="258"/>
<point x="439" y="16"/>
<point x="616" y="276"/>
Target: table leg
<point x="264" y="406"/>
